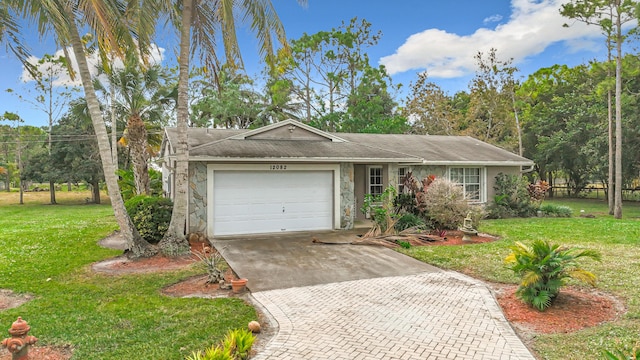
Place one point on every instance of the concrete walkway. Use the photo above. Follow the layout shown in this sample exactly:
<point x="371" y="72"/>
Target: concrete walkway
<point x="432" y="315"/>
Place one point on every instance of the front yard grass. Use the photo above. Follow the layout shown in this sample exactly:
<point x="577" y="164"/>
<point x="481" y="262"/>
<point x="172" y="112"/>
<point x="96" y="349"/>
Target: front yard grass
<point x="618" y="272"/>
<point x="47" y="252"/>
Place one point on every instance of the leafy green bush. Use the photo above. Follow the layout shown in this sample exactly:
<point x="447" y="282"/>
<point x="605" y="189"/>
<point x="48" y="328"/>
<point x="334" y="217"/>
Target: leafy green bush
<point x="380" y="210"/>
<point x="512" y="198"/>
<point x="445" y="204"/>
<point x="409" y="220"/>
<point x="239" y="342"/>
<point x="554" y="210"/>
<point x="128" y="185"/>
<point x="150" y="215"/>
<point x="543" y="269"/>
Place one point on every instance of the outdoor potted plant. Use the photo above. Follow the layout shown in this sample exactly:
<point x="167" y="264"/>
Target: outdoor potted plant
<point x="237" y="285"/>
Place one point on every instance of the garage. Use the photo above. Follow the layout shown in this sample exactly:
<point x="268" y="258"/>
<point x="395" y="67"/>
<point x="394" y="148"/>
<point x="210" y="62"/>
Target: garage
<point x="252" y="202"/>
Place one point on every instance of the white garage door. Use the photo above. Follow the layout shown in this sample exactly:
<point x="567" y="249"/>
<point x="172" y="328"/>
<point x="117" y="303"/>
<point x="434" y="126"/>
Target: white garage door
<point x="250" y="202"/>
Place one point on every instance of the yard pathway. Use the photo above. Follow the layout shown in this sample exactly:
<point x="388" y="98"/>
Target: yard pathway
<point x="432" y="315"/>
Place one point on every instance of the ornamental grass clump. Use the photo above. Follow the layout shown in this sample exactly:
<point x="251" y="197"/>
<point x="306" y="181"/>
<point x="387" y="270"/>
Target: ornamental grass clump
<point x="544" y="268"/>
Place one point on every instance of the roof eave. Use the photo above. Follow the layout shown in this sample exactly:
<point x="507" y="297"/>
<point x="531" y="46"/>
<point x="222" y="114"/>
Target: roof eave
<point x="302" y="159"/>
<point x="477" y="163"/>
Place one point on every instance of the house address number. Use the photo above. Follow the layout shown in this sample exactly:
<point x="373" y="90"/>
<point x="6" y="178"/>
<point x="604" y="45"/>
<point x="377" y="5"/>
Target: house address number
<point x="277" y="167"/>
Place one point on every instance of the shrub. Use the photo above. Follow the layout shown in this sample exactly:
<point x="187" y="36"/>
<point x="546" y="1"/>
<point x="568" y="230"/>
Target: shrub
<point x="409" y="220"/>
<point x="380" y="209"/>
<point x="239" y="343"/>
<point x="512" y="198"/>
<point x="556" y="210"/>
<point x="213" y="353"/>
<point x="236" y="345"/>
<point x="445" y="204"/>
<point x="128" y="186"/>
<point x="543" y="269"/>
<point x="150" y="215"/>
<point x="213" y="262"/>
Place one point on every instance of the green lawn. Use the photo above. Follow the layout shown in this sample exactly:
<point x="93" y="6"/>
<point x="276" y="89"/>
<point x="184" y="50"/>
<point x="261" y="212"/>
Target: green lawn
<point x="46" y="251"/>
<point x="618" y="273"/>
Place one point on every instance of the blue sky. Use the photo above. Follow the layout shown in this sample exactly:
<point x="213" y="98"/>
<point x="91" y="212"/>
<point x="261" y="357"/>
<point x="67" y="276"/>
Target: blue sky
<point x="440" y="37"/>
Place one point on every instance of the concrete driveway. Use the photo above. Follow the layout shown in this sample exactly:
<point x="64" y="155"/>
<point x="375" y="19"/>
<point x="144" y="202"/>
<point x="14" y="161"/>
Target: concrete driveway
<point x="279" y="261"/>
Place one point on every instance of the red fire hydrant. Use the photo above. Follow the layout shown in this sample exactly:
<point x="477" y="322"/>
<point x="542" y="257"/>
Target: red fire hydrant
<point x="18" y="343"/>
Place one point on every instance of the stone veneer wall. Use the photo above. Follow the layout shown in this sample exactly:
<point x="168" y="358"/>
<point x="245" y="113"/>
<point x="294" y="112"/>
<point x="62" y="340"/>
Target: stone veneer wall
<point x="197" y="197"/>
<point x="347" y="196"/>
<point x="421" y="172"/>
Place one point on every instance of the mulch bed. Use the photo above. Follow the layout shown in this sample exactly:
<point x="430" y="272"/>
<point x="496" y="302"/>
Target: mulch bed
<point x="574" y="309"/>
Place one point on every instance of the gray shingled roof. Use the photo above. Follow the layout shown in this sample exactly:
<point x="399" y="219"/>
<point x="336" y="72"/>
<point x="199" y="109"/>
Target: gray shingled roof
<point x="218" y="144"/>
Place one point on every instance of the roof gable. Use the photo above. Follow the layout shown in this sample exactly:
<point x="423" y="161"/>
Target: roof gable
<point x="288" y="130"/>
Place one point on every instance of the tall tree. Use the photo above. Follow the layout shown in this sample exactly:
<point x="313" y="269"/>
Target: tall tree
<point x="142" y="96"/>
<point x="561" y="121"/>
<point x="50" y="96"/>
<point x="429" y="109"/>
<point x="492" y="101"/>
<point x="371" y="108"/>
<point x="327" y="67"/>
<point x="65" y="17"/>
<point x="610" y="16"/>
<point x="75" y="152"/>
<point x="229" y="103"/>
<point x="205" y="22"/>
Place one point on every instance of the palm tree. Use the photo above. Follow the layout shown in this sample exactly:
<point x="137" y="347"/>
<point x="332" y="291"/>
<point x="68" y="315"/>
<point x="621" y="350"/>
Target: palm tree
<point x="142" y="97"/>
<point x="10" y="35"/>
<point x="104" y="18"/>
<point x="203" y="20"/>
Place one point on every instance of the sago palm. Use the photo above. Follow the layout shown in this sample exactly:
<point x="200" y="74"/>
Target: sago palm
<point x="544" y="268"/>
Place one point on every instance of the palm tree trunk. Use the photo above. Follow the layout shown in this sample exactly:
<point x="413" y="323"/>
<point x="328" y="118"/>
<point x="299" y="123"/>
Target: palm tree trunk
<point x="174" y="241"/>
<point x="617" y="211"/>
<point x="136" y="244"/>
<point x="139" y="154"/>
<point x="114" y="126"/>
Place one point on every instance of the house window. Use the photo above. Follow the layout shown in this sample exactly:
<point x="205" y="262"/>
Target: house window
<point x="375" y="180"/>
<point x="471" y="181"/>
<point x="402" y="172"/>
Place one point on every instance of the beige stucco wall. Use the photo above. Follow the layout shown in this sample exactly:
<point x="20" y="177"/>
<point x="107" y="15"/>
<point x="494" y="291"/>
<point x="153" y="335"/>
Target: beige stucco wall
<point x="492" y="172"/>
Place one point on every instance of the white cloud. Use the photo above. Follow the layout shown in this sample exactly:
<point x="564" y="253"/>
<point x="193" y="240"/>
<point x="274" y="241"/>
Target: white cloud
<point x="61" y="75"/>
<point x="531" y="28"/>
<point x="492" y="19"/>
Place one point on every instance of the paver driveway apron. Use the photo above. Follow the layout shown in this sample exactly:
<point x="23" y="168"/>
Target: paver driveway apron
<point x="424" y="314"/>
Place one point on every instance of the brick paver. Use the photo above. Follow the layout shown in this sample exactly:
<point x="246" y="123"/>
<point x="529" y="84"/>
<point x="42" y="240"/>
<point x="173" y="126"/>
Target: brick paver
<point x="442" y="315"/>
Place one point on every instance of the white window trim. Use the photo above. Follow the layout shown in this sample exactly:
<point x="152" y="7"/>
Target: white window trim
<point x="483" y="181"/>
<point x="369" y="177"/>
<point x="399" y="182"/>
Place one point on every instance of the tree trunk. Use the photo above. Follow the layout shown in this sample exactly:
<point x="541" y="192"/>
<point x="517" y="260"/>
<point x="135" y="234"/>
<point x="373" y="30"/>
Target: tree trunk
<point x="136" y="244"/>
<point x="617" y="211"/>
<point x="518" y="129"/>
<point x="114" y="127"/>
<point x="95" y="191"/>
<point x="611" y="179"/>
<point x="174" y="242"/>
<point x="52" y="192"/>
<point x="139" y="155"/>
<point x="20" y="169"/>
